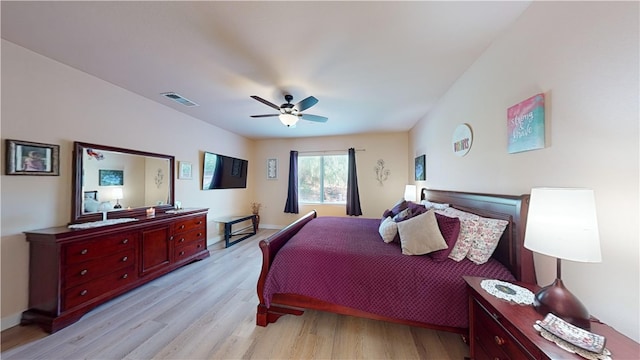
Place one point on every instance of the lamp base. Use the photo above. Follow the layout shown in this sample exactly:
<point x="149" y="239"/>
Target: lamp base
<point x="117" y="206"/>
<point x="558" y="300"/>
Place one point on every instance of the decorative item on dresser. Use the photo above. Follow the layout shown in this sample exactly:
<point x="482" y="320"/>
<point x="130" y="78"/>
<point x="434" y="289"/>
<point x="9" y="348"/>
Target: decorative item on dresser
<point x="73" y="270"/>
<point x="500" y="329"/>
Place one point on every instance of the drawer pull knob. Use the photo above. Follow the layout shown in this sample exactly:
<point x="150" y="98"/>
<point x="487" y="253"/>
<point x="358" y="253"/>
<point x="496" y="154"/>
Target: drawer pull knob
<point x="84" y="251"/>
<point x="199" y="246"/>
<point x="181" y="253"/>
<point x="199" y="234"/>
<point x="181" y="240"/>
<point x="181" y="226"/>
<point x="125" y="241"/>
<point x="125" y="259"/>
<point x="199" y="222"/>
<point x="499" y="341"/>
<point x="125" y="276"/>
<point x="84" y="272"/>
<point x="171" y="237"/>
<point x="83" y="292"/>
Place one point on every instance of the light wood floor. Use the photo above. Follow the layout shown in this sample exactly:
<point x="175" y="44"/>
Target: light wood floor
<point x="206" y="310"/>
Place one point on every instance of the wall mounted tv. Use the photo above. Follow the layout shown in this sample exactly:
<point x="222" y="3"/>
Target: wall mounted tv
<point x="223" y="172"/>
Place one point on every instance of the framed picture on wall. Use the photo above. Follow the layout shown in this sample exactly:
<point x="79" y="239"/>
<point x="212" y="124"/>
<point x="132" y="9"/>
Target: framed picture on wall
<point x="111" y="177"/>
<point x="31" y="158"/>
<point x="185" y="170"/>
<point x="420" y="168"/>
<point x="272" y="169"/>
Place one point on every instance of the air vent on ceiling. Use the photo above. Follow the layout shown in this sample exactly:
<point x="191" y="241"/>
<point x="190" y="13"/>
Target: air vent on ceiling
<point x="179" y="99"/>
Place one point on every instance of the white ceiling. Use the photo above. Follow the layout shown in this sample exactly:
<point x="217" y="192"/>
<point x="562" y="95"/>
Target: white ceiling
<point x="374" y="66"/>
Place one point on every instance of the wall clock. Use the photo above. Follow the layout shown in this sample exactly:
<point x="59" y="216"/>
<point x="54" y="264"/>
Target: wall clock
<point x="461" y="140"/>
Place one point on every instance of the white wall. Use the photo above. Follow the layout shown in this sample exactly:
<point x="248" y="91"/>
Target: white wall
<point x="584" y="57"/>
<point x="374" y="197"/>
<point x="45" y="101"/>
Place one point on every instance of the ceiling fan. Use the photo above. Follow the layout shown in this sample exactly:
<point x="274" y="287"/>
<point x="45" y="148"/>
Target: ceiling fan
<point x="289" y="114"/>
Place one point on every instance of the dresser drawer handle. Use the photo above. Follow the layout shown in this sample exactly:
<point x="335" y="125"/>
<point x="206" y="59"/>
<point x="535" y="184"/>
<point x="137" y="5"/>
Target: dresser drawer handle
<point x="199" y="246"/>
<point x="181" y="253"/>
<point x="199" y="234"/>
<point x="125" y="241"/>
<point x="125" y="259"/>
<point x="199" y="222"/>
<point x="84" y="272"/>
<point x="181" y="226"/>
<point x="125" y="276"/>
<point x="84" y="251"/>
<point x="499" y="341"/>
<point x="83" y="292"/>
<point x="181" y="240"/>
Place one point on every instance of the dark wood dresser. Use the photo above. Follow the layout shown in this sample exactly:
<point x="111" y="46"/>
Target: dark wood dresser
<point x="71" y="271"/>
<point x="499" y="329"/>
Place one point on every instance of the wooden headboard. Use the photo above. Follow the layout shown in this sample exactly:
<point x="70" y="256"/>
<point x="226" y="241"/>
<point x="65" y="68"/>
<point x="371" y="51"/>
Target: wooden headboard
<point x="510" y="251"/>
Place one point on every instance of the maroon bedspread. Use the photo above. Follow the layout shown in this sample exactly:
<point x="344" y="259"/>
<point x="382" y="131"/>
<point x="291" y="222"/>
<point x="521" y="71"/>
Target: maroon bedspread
<point x="344" y="261"/>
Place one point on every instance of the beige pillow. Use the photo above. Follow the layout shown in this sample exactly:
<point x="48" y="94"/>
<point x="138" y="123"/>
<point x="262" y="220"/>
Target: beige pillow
<point x="421" y="235"/>
<point x="388" y="229"/>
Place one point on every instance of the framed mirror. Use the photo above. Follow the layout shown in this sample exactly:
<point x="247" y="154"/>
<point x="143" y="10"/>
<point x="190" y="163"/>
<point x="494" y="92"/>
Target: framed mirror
<point x="121" y="182"/>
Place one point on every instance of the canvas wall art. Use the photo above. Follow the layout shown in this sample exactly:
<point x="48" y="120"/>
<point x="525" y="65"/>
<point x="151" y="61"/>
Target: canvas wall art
<point x="525" y="125"/>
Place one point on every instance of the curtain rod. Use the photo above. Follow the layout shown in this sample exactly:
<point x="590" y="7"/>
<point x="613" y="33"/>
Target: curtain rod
<point x="324" y="151"/>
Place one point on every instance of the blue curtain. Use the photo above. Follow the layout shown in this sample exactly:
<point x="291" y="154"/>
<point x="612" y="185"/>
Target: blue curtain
<point x="353" y="197"/>
<point x="291" y="206"/>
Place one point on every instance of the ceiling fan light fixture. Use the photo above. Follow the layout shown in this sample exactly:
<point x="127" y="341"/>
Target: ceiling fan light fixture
<point x="288" y="119"/>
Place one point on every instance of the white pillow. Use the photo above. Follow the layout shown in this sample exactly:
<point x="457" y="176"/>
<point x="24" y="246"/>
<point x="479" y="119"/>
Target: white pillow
<point x="431" y="205"/>
<point x="388" y="229"/>
<point x="421" y="235"/>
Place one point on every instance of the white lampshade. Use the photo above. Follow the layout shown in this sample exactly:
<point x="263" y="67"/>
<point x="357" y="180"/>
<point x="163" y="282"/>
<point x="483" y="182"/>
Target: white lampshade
<point x="117" y="193"/>
<point x="410" y="193"/>
<point x="288" y="119"/>
<point x="562" y="223"/>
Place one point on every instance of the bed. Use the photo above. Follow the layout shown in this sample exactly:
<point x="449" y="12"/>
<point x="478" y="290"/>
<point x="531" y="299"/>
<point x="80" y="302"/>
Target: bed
<point x="327" y="263"/>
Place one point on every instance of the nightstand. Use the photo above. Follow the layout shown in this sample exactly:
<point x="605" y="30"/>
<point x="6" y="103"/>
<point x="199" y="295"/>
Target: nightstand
<point x="499" y="329"/>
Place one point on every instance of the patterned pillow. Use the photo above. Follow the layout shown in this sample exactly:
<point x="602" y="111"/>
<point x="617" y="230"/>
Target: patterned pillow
<point x="421" y="235"/>
<point x="468" y="230"/>
<point x="402" y="215"/>
<point x="388" y="229"/>
<point x="487" y="237"/>
<point x="431" y="205"/>
<point x="450" y="229"/>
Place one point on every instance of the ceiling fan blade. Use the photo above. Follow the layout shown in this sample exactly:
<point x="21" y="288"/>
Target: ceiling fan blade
<point x="266" y="102"/>
<point x="306" y="103"/>
<point x="315" y="118"/>
<point x="267" y="115"/>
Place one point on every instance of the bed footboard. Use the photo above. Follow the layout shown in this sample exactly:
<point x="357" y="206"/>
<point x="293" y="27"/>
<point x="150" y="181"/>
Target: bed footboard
<point x="270" y="248"/>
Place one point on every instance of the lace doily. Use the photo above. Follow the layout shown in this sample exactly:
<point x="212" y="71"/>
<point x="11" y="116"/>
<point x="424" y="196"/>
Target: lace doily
<point x="101" y="223"/>
<point x="605" y="355"/>
<point x="507" y="291"/>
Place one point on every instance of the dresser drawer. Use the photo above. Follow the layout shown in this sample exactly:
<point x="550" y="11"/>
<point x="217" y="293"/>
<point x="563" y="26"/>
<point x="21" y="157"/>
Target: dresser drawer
<point x="188" y="237"/>
<point x="82" y="293"/>
<point x="197" y="222"/>
<point x="188" y="250"/>
<point x="79" y="273"/>
<point x="493" y="338"/>
<point x="92" y="249"/>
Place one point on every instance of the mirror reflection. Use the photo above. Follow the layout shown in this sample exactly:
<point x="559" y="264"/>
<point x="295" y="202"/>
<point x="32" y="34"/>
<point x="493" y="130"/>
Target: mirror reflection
<point x="112" y="179"/>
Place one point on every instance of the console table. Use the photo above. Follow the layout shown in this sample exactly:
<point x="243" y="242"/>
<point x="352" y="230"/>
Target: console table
<point x="229" y="221"/>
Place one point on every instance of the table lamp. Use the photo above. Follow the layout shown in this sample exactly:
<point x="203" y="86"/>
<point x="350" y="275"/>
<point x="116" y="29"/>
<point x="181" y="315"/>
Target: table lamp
<point x="410" y="193"/>
<point x="562" y="223"/>
<point x="117" y="194"/>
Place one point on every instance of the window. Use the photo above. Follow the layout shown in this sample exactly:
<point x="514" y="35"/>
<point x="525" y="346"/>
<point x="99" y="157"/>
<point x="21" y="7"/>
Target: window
<point x="323" y="179"/>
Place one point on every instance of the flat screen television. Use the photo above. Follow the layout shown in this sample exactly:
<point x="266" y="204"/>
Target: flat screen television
<point x="223" y="172"/>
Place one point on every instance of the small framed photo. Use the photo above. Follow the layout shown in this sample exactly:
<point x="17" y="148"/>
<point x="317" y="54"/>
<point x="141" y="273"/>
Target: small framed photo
<point x="31" y="158"/>
<point x="111" y="177"/>
<point x="185" y="170"/>
<point x="420" y="168"/>
<point x="272" y="169"/>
